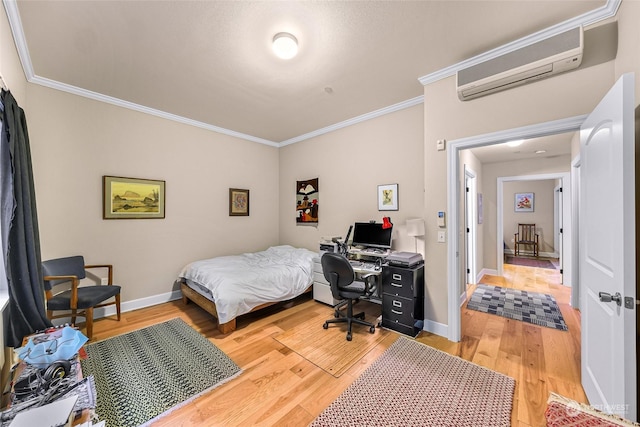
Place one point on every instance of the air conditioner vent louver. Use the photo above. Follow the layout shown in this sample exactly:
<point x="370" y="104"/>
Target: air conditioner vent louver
<point x="548" y="57"/>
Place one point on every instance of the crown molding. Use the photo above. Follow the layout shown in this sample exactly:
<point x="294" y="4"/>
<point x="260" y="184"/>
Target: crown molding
<point x="147" y="110"/>
<point x="607" y="11"/>
<point x="358" y="119"/>
<point x="11" y="7"/>
<point x="604" y="12"/>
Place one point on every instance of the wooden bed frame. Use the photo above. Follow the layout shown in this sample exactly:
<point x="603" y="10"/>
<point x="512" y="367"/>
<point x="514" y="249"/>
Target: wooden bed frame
<point x="210" y="307"/>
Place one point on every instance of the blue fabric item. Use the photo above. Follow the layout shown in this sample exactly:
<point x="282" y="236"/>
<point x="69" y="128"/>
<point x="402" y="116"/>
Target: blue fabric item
<point x="42" y="354"/>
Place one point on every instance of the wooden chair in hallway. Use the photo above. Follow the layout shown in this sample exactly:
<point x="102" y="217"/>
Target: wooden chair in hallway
<point x="527" y="236"/>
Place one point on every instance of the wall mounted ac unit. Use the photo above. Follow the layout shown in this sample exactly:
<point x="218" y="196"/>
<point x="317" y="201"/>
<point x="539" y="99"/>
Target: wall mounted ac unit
<point x="546" y="58"/>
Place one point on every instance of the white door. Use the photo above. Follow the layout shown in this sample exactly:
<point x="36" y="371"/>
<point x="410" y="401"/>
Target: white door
<point x="470" y="222"/>
<point x="558" y="227"/>
<point x="607" y="252"/>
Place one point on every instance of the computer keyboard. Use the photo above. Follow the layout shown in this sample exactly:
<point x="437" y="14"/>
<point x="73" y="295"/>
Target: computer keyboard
<point x="362" y="265"/>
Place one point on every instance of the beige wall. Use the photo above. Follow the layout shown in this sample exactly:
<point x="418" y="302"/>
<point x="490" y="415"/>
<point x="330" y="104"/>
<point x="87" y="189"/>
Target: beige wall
<point x="491" y="173"/>
<point x="75" y="141"/>
<point x="350" y="164"/>
<point x="446" y="117"/>
<point x="628" y="58"/>
<point x="10" y="66"/>
<point x="542" y="215"/>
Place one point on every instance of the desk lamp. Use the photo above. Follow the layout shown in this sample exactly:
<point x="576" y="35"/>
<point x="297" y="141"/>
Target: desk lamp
<point x="415" y="229"/>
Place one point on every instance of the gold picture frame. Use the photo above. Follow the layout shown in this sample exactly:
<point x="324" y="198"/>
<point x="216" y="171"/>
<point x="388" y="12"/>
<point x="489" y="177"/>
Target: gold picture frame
<point x="238" y="202"/>
<point x="132" y="198"/>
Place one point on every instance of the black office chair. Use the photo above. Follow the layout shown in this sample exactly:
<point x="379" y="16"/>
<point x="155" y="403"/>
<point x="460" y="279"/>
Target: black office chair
<point x="339" y="273"/>
<point x="78" y="300"/>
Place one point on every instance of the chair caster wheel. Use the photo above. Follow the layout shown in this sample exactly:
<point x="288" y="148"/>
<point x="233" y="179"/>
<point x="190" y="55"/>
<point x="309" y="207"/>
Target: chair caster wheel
<point x="372" y="329"/>
<point x="325" y="325"/>
<point x="348" y="337"/>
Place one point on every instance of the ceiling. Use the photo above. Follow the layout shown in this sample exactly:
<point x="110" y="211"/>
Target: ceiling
<point x="210" y="61"/>
<point x="546" y="147"/>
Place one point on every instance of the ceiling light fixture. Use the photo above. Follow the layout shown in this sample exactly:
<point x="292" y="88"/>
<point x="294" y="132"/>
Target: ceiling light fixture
<point x="541" y="151"/>
<point x="285" y="45"/>
<point x="515" y="143"/>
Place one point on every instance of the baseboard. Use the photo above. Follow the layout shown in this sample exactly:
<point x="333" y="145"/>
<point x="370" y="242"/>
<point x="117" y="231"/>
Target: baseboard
<point x="463" y="298"/>
<point x="129" y="306"/>
<point x="436" y="328"/>
<point x="484" y="271"/>
<point x="530" y="253"/>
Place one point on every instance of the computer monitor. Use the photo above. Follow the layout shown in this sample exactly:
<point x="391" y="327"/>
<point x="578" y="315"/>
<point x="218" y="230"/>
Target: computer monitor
<point x="371" y="235"/>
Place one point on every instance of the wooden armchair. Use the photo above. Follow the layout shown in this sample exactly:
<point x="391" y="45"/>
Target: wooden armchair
<point x="79" y="300"/>
<point x="527" y="236"/>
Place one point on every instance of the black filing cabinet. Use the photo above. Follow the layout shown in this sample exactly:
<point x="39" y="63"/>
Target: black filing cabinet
<point x="403" y="299"/>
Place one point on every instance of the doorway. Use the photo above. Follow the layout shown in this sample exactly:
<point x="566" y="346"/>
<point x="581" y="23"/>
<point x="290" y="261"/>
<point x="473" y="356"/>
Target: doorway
<point x="565" y="210"/>
<point x="454" y="197"/>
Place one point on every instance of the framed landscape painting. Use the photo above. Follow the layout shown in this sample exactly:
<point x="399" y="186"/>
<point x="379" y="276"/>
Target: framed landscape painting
<point x="132" y="198"/>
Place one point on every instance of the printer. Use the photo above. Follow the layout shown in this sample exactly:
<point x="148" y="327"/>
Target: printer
<point x="404" y="259"/>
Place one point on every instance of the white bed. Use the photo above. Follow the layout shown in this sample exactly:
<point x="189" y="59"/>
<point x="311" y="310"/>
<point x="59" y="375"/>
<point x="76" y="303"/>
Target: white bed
<point x="230" y="286"/>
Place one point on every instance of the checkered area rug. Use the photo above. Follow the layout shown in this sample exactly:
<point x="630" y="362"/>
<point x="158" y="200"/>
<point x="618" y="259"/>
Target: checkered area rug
<point x="531" y="307"/>
<point x="146" y="373"/>
<point x="412" y="384"/>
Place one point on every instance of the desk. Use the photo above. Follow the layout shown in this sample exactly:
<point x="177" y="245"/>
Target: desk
<point x="400" y="291"/>
<point x="322" y="289"/>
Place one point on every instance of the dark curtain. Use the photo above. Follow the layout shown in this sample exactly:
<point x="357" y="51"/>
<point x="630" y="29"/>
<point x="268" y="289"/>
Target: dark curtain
<point x="26" y="309"/>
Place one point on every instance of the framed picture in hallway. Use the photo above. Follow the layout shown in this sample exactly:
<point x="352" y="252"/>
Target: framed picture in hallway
<point x="524" y="202"/>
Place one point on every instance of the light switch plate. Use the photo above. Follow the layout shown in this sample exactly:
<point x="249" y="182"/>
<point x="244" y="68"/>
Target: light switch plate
<point x="441" y="237"/>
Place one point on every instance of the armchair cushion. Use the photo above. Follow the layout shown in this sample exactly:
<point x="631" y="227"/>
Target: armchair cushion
<point x="88" y="296"/>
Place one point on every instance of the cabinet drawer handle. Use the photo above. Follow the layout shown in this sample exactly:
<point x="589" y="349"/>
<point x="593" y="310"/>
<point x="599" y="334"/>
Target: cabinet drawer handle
<point x="396" y="276"/>
<point x="396" y="312"/>
<point x="397" y="285"/>
<point x="396" y="303"/>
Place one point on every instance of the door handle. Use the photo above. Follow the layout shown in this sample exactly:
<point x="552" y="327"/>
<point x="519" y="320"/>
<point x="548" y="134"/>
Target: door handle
<point x="606" y="297"/>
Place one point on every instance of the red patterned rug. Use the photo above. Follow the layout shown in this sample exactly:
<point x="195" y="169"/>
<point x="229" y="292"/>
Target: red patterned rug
<point x="564" y="412"/>
<point x="530" y="262"/>
<point x="413" y="384"/>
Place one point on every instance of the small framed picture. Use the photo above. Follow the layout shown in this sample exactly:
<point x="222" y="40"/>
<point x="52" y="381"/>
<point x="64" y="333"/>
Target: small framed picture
<point x="524" y="202"/>
<point x="132" y="198"/>
<point x="388" y="197"/>
<point x="238" y="202"/>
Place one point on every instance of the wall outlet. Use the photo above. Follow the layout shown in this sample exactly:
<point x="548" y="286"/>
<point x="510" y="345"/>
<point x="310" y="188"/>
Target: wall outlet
<point x="441" y="237"/>
<point x="104" y="281"/>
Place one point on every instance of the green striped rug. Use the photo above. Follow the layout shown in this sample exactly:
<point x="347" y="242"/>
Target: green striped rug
<point x="143" y="374"/>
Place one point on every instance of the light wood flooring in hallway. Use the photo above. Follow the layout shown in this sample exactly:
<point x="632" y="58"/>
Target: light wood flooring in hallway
<point x="281" y="388"/>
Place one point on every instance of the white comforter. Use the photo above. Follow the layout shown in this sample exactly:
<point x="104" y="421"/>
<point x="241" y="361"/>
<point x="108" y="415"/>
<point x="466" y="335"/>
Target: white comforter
<point x="239" y="283"/>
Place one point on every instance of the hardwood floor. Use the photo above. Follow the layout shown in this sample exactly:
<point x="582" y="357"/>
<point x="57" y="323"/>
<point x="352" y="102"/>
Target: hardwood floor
<point x="280" y="388"/>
